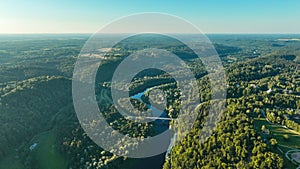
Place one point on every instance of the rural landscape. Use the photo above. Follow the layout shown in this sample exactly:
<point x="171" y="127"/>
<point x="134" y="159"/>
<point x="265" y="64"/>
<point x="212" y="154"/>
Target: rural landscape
<point x="260" y="127"/>
<point x="139" y="84"/>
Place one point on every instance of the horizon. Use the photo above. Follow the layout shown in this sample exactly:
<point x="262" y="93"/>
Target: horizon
<point x="205" y="33"/>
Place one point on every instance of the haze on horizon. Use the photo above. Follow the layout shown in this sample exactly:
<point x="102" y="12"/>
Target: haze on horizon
<point x="216" y="16"/>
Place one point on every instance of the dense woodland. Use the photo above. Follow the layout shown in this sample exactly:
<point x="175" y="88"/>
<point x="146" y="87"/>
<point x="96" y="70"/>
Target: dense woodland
<point x="263" y="82"/>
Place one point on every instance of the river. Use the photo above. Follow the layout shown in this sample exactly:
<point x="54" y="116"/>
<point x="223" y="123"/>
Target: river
<point x="155" y="162"/>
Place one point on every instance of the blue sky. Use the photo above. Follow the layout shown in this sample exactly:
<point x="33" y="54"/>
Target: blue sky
<point x="211" y="16"/>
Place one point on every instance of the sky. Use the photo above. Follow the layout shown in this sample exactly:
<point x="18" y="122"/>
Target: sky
<point x="210" y="16"/>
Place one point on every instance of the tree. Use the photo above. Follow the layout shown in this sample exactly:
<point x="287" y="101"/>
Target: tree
<point x="286" y="137"/>
<point x="273" y="142"/>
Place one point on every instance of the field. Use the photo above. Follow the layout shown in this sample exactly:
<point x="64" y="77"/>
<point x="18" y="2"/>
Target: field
<point x="277" y="132"/>
<point x="46" y="154"/>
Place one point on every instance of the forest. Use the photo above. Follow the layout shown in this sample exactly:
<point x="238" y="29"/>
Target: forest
<point x="260" y="127"/>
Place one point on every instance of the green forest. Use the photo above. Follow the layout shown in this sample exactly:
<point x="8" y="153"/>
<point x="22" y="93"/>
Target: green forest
<point x="260" y="127"/>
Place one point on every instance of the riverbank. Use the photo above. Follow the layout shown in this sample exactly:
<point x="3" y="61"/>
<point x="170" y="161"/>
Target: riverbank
<point x="155" y="162"/>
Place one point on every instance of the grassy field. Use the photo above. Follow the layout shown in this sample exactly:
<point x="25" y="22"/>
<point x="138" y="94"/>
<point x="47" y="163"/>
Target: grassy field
<point x="277" y="132"/>
<point x="44" y="156"/>
<point x="46" y="153"/>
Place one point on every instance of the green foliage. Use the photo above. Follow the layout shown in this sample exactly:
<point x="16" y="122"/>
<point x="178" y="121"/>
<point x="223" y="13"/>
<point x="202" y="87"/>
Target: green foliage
<point x="33" y="101"/>
<point x="286" y="137"/>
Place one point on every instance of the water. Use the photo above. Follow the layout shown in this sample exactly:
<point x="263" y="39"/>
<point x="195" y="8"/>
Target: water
<point x="155" y="162"/>
<point x="160" y="125"/>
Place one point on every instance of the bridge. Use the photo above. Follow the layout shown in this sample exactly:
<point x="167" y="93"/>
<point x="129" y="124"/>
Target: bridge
<point x="150" y="118"/>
